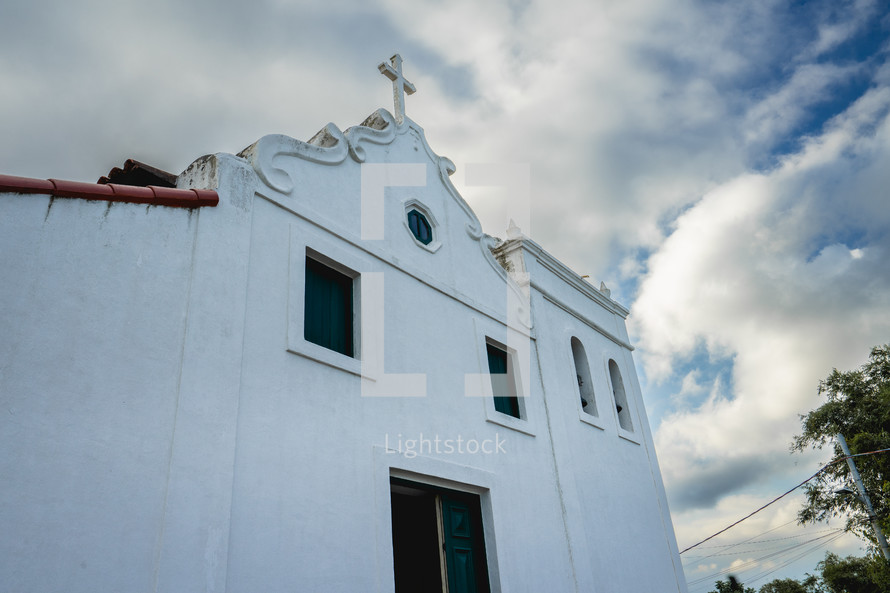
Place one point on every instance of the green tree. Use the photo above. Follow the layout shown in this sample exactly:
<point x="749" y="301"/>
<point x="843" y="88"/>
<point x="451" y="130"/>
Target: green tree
<point x="731" y="585"/>
<point x="857" y="406"/>
<point x="852" y="574"/>
<point x="809" y="585"/>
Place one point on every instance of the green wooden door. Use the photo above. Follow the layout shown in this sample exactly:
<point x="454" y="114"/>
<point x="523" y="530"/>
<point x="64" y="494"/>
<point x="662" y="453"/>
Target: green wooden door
<point x="463" y="546"/>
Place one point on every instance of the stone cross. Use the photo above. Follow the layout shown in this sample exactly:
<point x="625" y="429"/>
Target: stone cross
<point x="400" y="86"/>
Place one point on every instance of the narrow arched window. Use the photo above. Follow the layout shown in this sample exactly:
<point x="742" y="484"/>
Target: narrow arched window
<point x="582" y="376"/>
<point x="620" y="397"/>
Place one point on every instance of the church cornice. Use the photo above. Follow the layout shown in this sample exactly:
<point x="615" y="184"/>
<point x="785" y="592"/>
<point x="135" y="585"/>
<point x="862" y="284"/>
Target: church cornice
<point x="561" y="271"/>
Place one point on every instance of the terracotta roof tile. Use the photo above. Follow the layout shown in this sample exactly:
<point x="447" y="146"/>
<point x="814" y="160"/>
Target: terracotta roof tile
<point x="138" y="173"/>
<point x="26" y="185"/>
<point x="77" y="189"/>
<point x="111" y="192"/>
<point x="132" y="193"/>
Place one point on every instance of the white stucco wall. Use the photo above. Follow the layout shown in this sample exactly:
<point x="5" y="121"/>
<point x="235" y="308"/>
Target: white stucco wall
<point x="93" y="303"/>
<point x="167" y="428"/>
<point x="621" y="525"/>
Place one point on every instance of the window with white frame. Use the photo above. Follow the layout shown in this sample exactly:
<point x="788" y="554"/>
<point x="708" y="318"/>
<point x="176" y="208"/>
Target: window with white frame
<point x="503" y="381"/>
<point x="328" y="308"/>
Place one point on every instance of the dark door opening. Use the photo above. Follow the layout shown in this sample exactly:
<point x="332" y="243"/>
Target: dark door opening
<point x="438" y="544"/>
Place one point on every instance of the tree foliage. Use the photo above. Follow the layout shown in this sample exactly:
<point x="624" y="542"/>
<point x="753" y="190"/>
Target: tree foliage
<point x="857" y="406"/>
<point x="731" y="585"/>
<point x="867" y="574"/>
<point x="809" y="585"/>
<point x="853" y="574"/>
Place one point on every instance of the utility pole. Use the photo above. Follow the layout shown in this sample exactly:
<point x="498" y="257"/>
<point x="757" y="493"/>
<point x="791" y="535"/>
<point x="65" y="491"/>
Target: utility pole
<point x="863" y="496"/>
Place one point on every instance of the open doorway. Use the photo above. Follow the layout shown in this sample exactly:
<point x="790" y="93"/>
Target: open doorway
<point x="438" y="544"/>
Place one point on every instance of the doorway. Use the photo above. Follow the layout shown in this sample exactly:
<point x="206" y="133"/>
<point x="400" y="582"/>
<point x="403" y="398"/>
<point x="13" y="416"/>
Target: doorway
<point x="438" y="543"/>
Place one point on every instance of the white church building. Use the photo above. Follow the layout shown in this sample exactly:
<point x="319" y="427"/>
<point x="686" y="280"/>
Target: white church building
<point x="306" y="368"/>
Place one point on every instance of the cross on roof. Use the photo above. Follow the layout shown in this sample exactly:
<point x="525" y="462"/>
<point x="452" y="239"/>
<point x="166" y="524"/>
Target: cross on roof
<point x="400" y="86"/>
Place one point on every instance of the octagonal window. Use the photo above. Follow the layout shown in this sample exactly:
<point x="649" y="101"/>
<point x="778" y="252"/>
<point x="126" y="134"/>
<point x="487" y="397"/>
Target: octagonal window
<point x="420" y="227"/>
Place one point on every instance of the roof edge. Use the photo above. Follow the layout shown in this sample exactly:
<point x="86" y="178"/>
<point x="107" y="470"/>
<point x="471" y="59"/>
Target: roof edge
<point x="563" y="272"/>
<point x="111" y="192"/>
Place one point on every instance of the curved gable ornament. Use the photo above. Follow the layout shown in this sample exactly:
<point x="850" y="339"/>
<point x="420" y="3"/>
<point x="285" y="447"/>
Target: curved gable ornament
<point x="270" y="155"/>
<point x="379" y="128"/>
<point x="274" y="158"/>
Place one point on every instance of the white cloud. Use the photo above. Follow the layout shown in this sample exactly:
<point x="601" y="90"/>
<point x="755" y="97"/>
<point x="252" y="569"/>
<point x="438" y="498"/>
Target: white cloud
<point x="618" y="142"/>
<point x="782" y="111"/>
<point x="691" y="387"/>
<point x="763" y="269"/>
<point x="834" y="33"/>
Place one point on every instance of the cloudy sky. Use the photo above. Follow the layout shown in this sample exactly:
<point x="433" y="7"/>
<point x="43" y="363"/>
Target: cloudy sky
<point x="721" y="165"/>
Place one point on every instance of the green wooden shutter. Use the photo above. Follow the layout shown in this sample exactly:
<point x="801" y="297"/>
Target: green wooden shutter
<point x="327" y="319"/>
<point x="504" y="400"/>
<point x="464" y="548"/>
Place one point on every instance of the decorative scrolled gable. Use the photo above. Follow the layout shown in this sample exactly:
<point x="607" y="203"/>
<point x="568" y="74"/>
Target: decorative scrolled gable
<point x="298" y="176"/>
<point x="272" y="156"/>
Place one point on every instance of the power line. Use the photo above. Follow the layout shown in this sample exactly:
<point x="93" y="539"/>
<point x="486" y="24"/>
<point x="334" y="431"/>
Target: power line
<point x="760" y="541"/>
<point x="823" y="539"/>
<point x="749" y="515"/>
<point x="753" y="536"/>
<point x="862" y="454"/>
<point x="755" y="561"/>
<point x="841" y="533"/>
<point x="745" y="541"/>
<point x="738" y="552"/>
<point x="780" y="497"/>
<point x="813" y="545"/>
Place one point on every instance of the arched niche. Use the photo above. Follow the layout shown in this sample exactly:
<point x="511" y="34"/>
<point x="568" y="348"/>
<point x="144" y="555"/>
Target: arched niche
<point x="624" y="419"/>
<point x="582" y="377"/>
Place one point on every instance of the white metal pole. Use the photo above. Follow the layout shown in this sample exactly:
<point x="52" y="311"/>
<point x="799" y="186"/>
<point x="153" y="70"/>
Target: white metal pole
<point x="863" y="496"/>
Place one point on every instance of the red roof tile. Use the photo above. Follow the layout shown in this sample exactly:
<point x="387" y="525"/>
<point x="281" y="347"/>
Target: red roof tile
<point x="138" y="173"/>
<point x="111" y="192"/>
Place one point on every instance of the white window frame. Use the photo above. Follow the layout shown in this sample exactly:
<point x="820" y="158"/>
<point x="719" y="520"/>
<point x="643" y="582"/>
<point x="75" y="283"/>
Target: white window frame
<point x="329" y="253"/>
<point x="415" y="204"/>
<point x="479" y="384"/>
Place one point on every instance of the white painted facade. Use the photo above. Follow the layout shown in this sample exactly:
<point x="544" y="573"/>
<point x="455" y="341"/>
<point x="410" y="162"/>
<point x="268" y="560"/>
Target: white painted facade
<point x="166" y="426"/>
